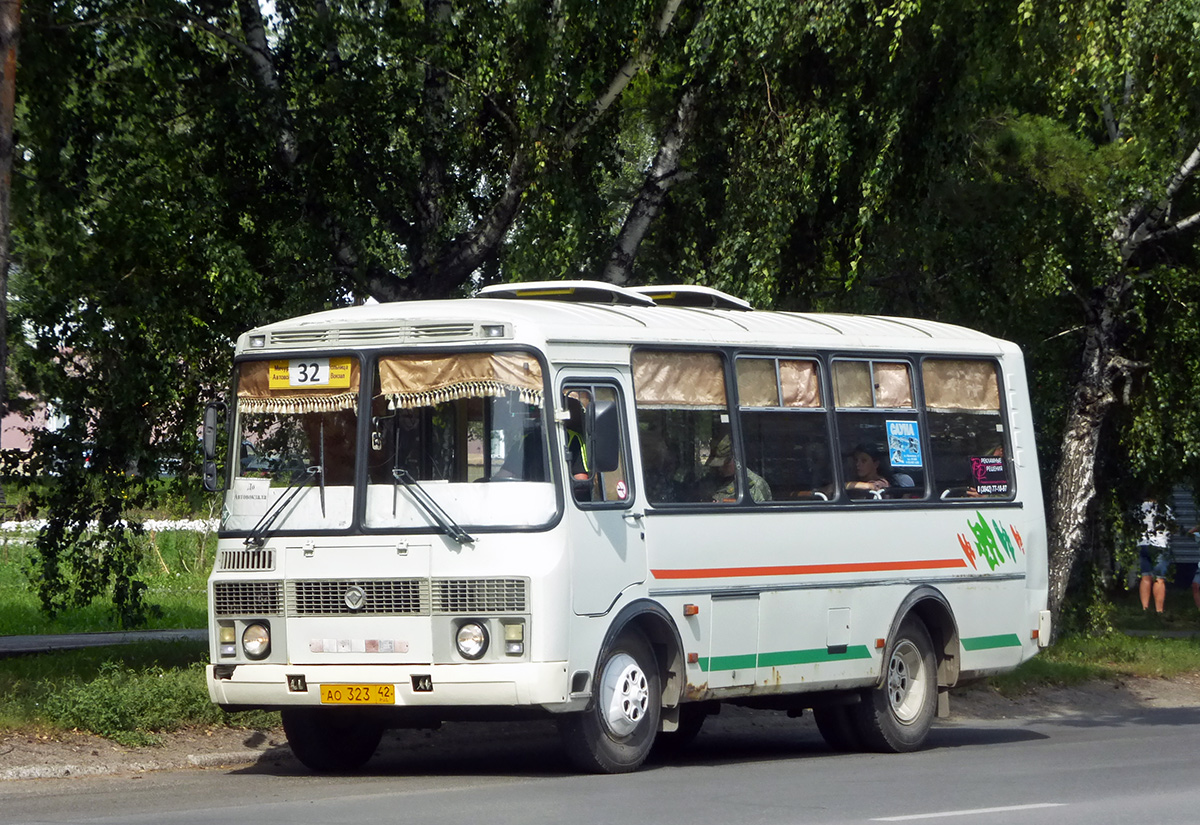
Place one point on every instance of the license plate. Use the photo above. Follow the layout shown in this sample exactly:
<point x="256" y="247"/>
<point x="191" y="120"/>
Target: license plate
<point x="358" y="694"/>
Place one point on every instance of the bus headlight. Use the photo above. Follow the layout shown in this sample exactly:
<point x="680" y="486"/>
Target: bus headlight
<point x="472" y="640"/>
<point x="256" y="640"/>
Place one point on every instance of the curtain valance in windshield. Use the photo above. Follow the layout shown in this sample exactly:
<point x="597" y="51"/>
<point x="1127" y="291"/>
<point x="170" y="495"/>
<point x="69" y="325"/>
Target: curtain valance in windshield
<point x="301" y="385"/>
<point x="408" y="381"/>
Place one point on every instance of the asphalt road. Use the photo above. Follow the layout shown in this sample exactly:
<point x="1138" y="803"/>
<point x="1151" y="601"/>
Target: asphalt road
<point x="744" y="769"/>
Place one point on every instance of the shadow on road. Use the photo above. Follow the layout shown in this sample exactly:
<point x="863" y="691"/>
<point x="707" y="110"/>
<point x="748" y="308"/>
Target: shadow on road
<point x="532" y="749"/>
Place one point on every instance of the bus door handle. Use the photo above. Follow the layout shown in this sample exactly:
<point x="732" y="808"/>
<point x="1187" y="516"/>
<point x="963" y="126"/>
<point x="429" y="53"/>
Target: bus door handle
<point x="633" y="517"/>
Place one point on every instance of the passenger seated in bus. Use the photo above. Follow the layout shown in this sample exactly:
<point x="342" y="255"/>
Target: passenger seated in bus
<point x="722" y="461"/>
<point x="869" y="478"/>
<point x="659" y="469"/>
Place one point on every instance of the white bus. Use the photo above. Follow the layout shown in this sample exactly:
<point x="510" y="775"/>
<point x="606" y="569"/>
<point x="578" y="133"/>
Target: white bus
<point x="619" y="508"/>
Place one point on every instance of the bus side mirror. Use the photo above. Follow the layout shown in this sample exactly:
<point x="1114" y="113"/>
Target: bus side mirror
<point x="208" y="437"/>
<point x="605" y="428"/>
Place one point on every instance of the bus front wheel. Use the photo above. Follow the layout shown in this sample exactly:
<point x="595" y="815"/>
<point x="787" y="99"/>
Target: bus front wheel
<point x="331" y="741"/>
<point x="896" y="716"/>
<point x="616" y="731"/>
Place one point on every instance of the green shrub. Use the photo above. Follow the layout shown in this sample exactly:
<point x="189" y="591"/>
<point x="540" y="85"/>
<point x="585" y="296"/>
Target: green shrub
<point x="130" y="706"/>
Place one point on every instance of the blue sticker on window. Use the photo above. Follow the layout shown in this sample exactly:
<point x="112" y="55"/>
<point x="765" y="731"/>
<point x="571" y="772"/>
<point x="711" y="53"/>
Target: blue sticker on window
<point x="904" y="444"/>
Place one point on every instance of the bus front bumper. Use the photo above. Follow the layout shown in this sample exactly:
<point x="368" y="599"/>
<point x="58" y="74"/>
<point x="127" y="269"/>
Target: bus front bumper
<point x="536" y="684"/>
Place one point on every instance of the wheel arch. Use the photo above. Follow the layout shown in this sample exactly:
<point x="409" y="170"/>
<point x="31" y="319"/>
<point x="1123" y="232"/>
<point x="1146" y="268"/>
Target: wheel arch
<point x="653" y="621"/>
<point x="933" y="609"/>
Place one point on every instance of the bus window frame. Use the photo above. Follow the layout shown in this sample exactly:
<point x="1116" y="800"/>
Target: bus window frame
<point x="571" y="382"/>
<point x="1005" y="416"/>
<point x="370" y="368"/>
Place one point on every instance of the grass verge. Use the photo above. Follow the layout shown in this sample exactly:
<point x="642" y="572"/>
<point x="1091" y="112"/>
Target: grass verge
<point x="1161" y="648"/>
<point x="174" y="565"/>
<point x="129" y="693"/>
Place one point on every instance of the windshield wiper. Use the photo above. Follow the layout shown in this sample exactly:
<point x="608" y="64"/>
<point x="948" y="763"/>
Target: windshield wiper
<point x="259" y="533"/>
<point x="430" y="506"/>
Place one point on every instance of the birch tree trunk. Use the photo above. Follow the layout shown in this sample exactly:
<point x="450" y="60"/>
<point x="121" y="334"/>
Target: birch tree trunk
<point x="1073" y="494"/>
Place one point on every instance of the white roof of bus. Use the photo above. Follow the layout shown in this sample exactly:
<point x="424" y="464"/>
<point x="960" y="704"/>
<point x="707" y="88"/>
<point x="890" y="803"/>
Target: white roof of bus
<point x="538" y="321"/>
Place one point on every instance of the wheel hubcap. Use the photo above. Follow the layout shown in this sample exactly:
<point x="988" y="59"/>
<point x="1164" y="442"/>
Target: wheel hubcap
<point x="906" y="685"/>
<point x="624" y="694"/>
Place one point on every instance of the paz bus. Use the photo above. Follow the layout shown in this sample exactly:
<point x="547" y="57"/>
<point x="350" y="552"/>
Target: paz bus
<point x="618" y="508"/>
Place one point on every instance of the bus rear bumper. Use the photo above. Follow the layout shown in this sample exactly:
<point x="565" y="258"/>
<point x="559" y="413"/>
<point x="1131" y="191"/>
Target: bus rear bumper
<point x="541" y="684"/>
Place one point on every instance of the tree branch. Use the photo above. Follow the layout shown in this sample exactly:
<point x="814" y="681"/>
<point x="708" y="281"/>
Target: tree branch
<point x="468" y="255"/>
<point x="1141" y="224"/>
<point x="664" y="173"/>
<point x="624" y="74"/>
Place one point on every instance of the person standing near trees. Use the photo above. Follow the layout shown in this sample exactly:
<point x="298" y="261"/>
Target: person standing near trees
<point x="1154" y="552"/>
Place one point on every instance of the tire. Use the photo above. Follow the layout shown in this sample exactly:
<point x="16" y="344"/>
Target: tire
<point x="328" y="741"/>
<point x="896" y="716"/>
<point x="616" y="731"/>
<point x="838" y="727"/>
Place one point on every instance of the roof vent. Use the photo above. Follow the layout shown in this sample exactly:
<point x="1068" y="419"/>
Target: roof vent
<point x="588" y="292"/>
<point x="691" y="295"/>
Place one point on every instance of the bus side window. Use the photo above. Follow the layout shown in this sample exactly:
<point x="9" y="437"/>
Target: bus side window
<point x="785" y="427"/>
<point x="879" y="430"/>
<point x="682" y="415"/>
<point x="587" y="477"/>
<point x="966" y="428"/>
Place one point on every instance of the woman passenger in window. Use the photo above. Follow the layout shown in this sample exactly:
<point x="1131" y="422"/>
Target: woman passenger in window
<point x="868" y="472"/>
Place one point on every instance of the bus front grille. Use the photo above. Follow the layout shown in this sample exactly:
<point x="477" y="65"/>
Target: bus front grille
<point x="248" y="599"/>
<point x="394" y="597"/>
<point x="480" y="595"/>
<point x="256" y="559"/>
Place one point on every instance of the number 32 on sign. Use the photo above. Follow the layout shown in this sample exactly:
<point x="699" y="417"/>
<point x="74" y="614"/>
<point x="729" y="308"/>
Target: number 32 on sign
<point x="310" y="372"/>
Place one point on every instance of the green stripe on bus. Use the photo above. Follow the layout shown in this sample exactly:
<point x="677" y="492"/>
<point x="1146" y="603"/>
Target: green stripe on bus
<point x="992" y="642"/>
<point x="728" y="662"/>
<point x="783" y="657"/>
<point x="812" y="657"/>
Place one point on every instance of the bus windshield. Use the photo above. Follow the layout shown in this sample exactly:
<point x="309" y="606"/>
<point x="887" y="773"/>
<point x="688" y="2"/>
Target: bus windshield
<point x="296" y="436"/>
<point x="454" y="438"/>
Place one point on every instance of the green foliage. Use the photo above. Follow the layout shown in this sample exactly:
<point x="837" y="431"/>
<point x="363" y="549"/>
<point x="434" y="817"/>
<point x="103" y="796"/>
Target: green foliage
<point x="128" y="694"/>
<point x="1081" y="658"/>
<point x="130" y="706"/>
<point x="968" y="162"/>
<point x="173" y="565"/>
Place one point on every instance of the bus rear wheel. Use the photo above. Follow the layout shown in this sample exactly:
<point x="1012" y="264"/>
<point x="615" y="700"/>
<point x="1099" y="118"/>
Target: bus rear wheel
<point x="838" y="727"/>
<point x="896" y="716"/>
<point x="616" y="731"/>
<point x="331" y="741"/>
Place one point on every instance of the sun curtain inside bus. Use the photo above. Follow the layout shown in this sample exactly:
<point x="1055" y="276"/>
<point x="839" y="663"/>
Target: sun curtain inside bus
<point x="408" y="382"/>
<point x="264" y="387"/>
<point x="961" y="385"/>
<point x="766" y="382"/>
<point x="679" y="379"/>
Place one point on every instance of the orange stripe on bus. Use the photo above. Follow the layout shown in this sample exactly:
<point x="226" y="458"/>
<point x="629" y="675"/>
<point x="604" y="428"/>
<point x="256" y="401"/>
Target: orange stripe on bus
<point x="808" y="569"/>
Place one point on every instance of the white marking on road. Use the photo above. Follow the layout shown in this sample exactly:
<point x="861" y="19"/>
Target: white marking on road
<point x="971" y="812"/>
